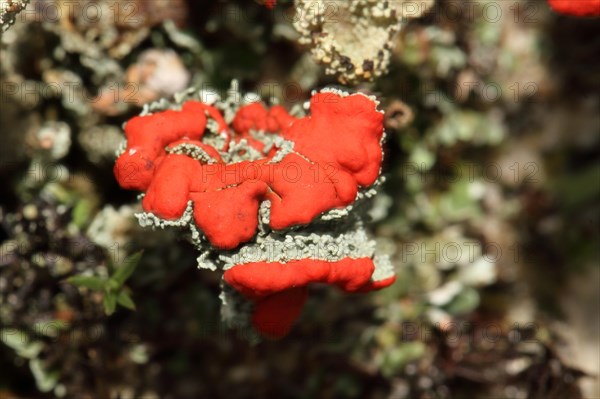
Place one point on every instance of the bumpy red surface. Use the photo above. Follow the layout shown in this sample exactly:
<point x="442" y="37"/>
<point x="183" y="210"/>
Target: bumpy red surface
<point x="336" y="151"/>
<point x="279" y="289"/>
<point x="578" y="8"/>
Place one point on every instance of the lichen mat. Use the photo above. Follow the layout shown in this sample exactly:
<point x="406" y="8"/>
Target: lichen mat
<point x="273" y="199"/>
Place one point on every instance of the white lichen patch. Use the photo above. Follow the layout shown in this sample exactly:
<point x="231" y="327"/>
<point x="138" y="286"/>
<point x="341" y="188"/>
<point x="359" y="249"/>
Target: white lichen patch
<point x="148" y="219"/>
<point x="121" y="148"/>
<point x="204" y="261"/>
<point x="53" y="140"/>
<point x="236" y="312"/>
<point x="353" y="243"/>
<point x="353" y="39"/>
<point x="112" y="226"/>
<point x="240" y="151"/>
<point x="264" y="217"/>
<point x="384" y="268"/>
<point x="333" y="90"/>
<point x="192" y="151"/>
<point x="284" y="148"/>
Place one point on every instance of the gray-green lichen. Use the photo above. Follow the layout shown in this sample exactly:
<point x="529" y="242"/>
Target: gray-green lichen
<point x="353" y="39"/>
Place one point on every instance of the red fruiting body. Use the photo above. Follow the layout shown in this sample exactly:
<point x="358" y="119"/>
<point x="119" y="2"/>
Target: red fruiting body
<point x="336" y="151"/>
<point x="279" y="290"/>
<point x="578" y="8"/>
<point x="255" y="116"/>
<point x="270" y="3"/>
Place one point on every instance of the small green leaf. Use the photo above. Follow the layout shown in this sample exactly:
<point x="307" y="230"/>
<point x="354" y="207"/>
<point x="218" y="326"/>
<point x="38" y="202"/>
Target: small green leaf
<point x="81" y="214"/>
<point x="45" y="379"/>
<point x="110" y="302"/>
<point x="20" y="342"/>
<point x="112" y="285"/>
<point x="464" y="302"/>
<point x="91" y="282"/>
<point x="126" y="268"/>
<point x="125" y="300"/>
<point x="50" y="328"/>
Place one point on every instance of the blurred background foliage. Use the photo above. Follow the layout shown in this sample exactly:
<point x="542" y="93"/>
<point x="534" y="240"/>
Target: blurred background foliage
<point x="490" y="209"/>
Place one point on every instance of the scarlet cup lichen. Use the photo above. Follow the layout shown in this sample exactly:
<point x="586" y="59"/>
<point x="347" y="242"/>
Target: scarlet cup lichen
<point x="578" y="8"/>
<point x="255" y="178"/>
